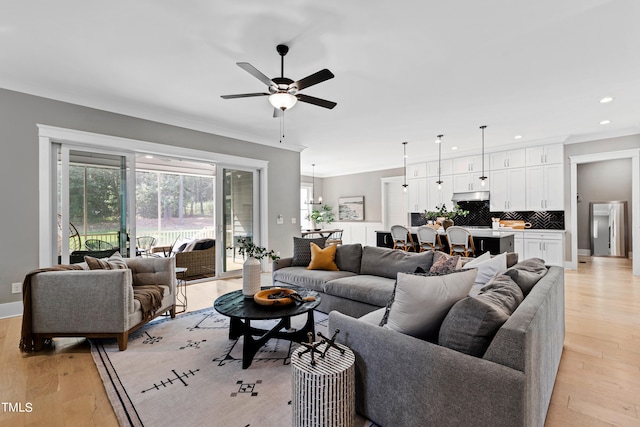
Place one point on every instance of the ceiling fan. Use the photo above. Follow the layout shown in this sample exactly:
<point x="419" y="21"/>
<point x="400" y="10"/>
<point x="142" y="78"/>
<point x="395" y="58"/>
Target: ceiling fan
<point x="283" y="92"/>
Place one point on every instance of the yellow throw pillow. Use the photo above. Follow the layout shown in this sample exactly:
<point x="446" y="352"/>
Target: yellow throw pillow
<point x="323" y="259"/>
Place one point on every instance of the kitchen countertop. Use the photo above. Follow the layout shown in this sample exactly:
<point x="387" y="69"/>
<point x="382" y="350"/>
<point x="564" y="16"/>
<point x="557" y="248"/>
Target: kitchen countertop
<point x="490" y="232"/>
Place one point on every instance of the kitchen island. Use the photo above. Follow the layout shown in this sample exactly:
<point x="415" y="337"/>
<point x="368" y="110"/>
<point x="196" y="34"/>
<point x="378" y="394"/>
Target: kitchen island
<point x="484" y="239"/>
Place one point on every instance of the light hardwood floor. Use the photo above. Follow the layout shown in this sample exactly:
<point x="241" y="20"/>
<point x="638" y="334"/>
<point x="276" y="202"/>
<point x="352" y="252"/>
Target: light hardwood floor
<point x="598" y="381"/>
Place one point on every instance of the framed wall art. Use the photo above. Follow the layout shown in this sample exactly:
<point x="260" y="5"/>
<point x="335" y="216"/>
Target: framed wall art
<point x="351" y="208"/>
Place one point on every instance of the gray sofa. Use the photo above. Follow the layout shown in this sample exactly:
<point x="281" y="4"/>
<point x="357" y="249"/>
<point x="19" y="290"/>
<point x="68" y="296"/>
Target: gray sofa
<point x="364" y="283"/>
<point x="98" y="303"/>
<point x="405" y="381"/>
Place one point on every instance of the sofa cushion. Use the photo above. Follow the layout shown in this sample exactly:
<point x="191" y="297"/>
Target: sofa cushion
<point x="374" y="290"/>
<point x="488" y="267"/>
<point x="323" y="258"/>
<point x="527" y="273"/>
<point x="302" y="250"/>
<point x="421" y="302"/>
<point x="349" y="257"/>
<point x="445" y="265"/>
<point x="388" y="263"/>
<point x="472" y="322"/>
<point x="114" y="262"/>
<point x="199" y="245"/>
<point x="311" y="279"/>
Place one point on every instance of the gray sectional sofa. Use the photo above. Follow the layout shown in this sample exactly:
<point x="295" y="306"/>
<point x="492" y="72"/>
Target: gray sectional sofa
<point x="364" y="283"/>
<point x="406" y="381"/>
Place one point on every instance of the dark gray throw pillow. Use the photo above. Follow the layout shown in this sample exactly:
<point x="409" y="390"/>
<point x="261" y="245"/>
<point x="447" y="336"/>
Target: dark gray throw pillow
<point x="472" y="322"/>
<point x="302" y="250"/>
<point x="385" y="262"/>
<point x="349" y="257"/>
<point x="527" y="273"/>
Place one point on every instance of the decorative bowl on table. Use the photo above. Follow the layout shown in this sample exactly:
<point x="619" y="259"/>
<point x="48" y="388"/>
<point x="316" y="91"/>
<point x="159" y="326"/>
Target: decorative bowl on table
<point x="274" y="296"/>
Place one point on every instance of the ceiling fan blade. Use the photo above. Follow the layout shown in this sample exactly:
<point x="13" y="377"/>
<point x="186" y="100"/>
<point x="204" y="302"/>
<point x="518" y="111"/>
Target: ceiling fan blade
<point x="244" y="95"/>
<point x="313" y="79"/>
<point x="316" y="101"/>
<point x="255" y="73"/>
<point x="277" y="113"/>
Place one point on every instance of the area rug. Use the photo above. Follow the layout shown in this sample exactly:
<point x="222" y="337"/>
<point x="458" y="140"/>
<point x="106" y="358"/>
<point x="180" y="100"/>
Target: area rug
<point x="186" y="371"/>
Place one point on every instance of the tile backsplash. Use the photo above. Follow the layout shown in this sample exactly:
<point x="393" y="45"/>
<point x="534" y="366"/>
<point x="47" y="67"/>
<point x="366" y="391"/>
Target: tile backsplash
<point x="479" y="215"/>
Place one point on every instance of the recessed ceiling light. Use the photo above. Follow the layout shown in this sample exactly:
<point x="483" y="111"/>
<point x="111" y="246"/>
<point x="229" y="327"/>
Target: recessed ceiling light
<point x="454" y="148"/>
<point x="149" y="156"/>
<point x="517" y="137"/>
<point x="606" y="99"/>
<point x="605" y="122"/>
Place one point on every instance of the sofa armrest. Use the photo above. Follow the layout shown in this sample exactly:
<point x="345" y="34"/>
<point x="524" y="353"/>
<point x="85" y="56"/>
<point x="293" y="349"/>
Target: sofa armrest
<point x="153" y="271"/>
<point x="438" y="386"/>
<point x="76" y="301"/>
<point x="281" y="263"/>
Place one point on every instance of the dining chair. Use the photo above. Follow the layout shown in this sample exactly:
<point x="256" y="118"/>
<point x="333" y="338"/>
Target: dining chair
<point x="428" y="239"/>
<point x="460" y="241"/>
<point x="334" y="238"/>
<point x="402" y="238"/>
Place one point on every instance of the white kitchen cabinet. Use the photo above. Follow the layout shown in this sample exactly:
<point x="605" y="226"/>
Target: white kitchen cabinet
<point x="470" y="164"/>
<point x="418" y="194"/>
<point x="465" y="182"/>
<point x="417" y="170"/>
<point x="439" y="196"/>
<point x="518" y="244"/>
<point x="545" y="191"/>
<point x="545" y="154"/>
<point x="446" y="166"/>
<point x="508" y="190"/>
<point x="508" y="159"/>
<point x="547" y="246"/>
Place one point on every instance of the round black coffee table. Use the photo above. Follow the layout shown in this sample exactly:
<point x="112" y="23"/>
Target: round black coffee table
<point x="242" y="311"/>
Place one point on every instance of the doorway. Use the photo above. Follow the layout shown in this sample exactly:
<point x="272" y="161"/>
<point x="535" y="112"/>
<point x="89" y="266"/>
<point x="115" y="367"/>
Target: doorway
<point x="394" y="203"/>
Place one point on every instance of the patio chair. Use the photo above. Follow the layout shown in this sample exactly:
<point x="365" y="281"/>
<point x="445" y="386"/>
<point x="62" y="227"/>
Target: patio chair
<point x="428" y="239"/>
<point x="145" y="243"/>
<point x="97" y="245"/>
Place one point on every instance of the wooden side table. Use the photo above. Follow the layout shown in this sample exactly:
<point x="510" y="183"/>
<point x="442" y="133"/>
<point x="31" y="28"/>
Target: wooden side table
<point x="324" y="394"/>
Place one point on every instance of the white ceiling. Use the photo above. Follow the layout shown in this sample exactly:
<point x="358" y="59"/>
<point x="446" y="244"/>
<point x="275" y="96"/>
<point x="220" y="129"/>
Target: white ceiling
<point x="405" y="71"/>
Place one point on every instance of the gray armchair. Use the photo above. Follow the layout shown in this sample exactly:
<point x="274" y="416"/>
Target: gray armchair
<point x="98" y="303"/>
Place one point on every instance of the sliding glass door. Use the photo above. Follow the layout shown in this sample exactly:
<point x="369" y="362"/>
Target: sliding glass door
<point x="95" y="193"/>
<point x="239" y="204"/>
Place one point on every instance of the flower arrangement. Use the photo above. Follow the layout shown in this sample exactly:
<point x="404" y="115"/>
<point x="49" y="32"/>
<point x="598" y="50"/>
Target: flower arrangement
<point x="442" y="212"/>
<point x="246" y="247"/>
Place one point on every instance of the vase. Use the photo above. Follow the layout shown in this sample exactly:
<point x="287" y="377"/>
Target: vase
<point x="447" y="223"/>
<point x="251" y="270"/>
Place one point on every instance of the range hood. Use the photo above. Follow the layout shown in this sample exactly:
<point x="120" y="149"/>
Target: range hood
<point x="470" y="196"/>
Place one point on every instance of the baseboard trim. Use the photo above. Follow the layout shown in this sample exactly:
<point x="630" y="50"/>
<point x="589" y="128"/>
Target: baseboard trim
<point x="10" y="309"/>
<point x="584" y="252"/>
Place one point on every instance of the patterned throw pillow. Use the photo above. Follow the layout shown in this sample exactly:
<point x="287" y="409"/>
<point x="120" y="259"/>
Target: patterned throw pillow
<point x="323" y="259"/>
<point x="114" y="262"/>
<point x="302" y="250"/>
<point x="445" y="264"/>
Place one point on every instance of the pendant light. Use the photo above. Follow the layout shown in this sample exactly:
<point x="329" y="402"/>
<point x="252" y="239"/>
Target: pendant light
<point x="405" y="185"/>
<point x="313" y="188"/>
<point x="483" y="178"/>
<point x="439" y="142"/>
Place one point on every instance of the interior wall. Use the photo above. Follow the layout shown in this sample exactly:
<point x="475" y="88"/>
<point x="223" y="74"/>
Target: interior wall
<point x="631" y="142"/>
<point x="365" y="184"/>
<point x="19" y="114"/>
<point x="608" y="180"/>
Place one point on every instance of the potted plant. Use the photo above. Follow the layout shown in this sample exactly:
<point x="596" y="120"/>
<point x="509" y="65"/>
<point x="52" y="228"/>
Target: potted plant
<point x="252" y="266"/>
<point x="443" y="216"/>
<point x="324" y="215"/>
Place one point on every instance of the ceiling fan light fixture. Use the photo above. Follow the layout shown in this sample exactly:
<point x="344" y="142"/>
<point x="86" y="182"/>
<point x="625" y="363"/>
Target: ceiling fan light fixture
<point x="282" y="100"/>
